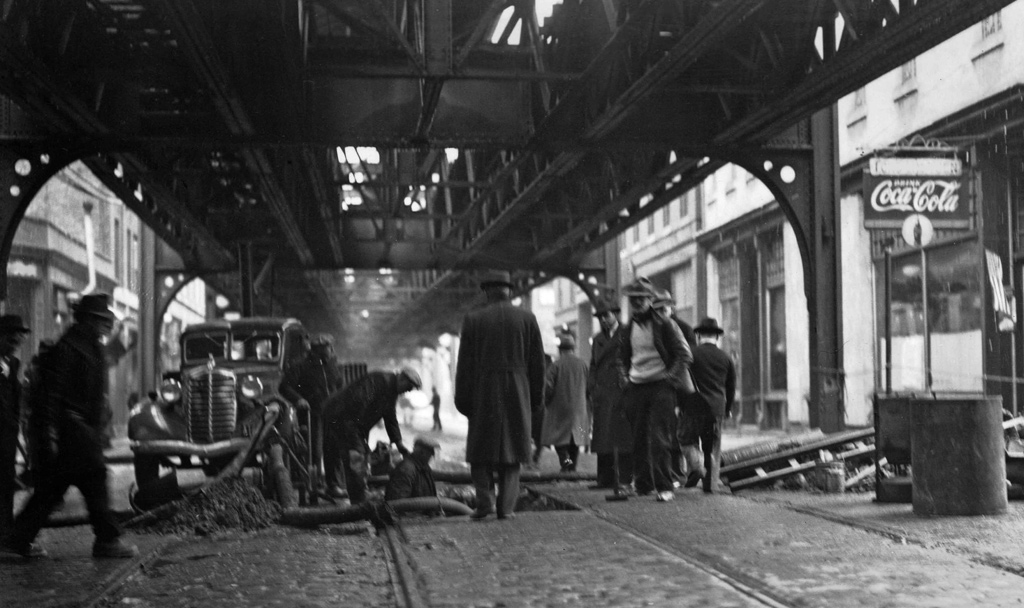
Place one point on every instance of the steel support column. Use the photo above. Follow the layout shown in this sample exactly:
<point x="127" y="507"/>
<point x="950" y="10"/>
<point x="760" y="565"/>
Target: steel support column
<point x="245" y="278"/>
<point x="801" y="168"/>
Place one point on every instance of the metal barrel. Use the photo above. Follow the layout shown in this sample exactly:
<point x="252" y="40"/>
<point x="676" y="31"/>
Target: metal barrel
<point x="958" y="466"/>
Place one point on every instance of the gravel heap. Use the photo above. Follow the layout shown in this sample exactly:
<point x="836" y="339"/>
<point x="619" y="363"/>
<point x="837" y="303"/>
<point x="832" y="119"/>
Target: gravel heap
<point x="234" y="504"/>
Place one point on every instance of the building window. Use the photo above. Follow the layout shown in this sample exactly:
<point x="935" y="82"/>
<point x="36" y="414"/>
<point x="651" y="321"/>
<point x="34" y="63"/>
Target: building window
<point x="650" y="224"/>
<point x="991" y="25"/>
<point x="118" y="252"/>
<point x="133" y="263"/>
<point x="908" y="71"/>
<point x="666" y="215"/>
<point x="860" y="97"/>
<point x="636" y="232"/>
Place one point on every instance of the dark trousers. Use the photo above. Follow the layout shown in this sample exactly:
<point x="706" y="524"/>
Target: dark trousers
<point x="355" y="460"/>
<point x="325" y="449"/>
<point x="83" y="468"/>
<point x="483" y="476"/>
<point x="691" y="422"/>
<point x="606" y="469"/>
<point x="711" y="442"/>
<point x="651" y="409"/>
<point x="568" y="455"/>
<point x="8" y="475"/>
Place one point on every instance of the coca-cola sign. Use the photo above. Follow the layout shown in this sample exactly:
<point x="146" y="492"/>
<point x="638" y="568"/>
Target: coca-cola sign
<point x="889" y="199"/>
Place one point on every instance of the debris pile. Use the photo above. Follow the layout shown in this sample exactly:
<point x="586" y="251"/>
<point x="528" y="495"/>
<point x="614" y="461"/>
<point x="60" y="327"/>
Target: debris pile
<point x="234" y="504"/>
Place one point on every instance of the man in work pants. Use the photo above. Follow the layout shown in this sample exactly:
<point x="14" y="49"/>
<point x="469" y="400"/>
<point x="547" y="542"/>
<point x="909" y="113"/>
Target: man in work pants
<point x="653" y="356"/>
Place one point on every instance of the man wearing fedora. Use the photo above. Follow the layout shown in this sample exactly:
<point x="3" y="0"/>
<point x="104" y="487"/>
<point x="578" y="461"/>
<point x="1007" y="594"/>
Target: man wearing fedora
<point x="12" y="332"/>
<point x="715" y="378"/>
<point x="566" y="424"/>
<point x="499" y="387"/>
<point x="612" y="438"/>
<point x="66" y="425"/>
<point x="653" y="361"/>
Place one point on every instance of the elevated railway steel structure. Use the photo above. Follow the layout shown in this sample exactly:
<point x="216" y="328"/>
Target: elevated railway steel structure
<point x="328" y="141"/>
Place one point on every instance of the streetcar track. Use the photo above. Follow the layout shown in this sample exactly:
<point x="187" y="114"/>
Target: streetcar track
<point x="113" y="583"/>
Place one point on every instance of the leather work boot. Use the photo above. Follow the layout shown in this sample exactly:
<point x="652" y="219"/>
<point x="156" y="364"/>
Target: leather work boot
<point x="29" y="551"/>
<point x="115" y="549"/>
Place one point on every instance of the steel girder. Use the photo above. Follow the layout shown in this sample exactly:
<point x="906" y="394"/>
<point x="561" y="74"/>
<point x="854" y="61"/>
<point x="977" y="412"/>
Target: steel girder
<point x="231" y="112"/>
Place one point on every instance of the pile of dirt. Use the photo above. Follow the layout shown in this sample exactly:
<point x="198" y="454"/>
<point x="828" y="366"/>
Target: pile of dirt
<point x="234" y="504"/>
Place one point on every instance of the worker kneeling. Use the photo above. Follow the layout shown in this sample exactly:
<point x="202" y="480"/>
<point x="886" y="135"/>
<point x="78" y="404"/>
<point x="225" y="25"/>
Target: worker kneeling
<point x="412" y="478"/>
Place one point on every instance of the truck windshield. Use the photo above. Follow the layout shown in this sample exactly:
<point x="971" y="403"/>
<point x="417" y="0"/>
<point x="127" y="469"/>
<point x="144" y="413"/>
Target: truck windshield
<point x="201" y="347"/>
<point x="255" y="346"/>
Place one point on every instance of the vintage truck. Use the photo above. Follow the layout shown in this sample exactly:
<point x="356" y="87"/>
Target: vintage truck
<point x="205" y="413"/>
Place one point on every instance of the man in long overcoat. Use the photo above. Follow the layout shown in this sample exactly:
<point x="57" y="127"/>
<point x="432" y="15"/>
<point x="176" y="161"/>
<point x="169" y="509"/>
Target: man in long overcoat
<point x="499" y="387"/>
<point x="566" y="424"/>
<point x="66" y="427"/>
<point x="12" y="332"/>
<point x="611" y="428"/>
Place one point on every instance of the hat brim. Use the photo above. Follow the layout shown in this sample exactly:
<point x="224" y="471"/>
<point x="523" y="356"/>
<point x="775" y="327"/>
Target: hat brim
<point x="708" y="330"/>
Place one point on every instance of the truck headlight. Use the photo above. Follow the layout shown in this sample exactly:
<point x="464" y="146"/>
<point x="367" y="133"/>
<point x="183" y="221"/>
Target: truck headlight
<point x="251" y="387"/>
<point x="170" y="392"/>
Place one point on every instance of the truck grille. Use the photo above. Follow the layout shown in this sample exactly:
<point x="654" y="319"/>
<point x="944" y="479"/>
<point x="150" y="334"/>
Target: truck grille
<point x="209" y="399"/>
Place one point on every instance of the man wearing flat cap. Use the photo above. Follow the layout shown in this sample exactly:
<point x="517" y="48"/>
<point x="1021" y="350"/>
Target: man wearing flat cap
<point x="412" y="478"/>
<point x="611" y="433"/>
<point x="308" y="385"/>
<point x="653" y="358"/>
<point x="566" y="424"/>
<point x="12" y="332"/>
<point x="499" y="387"/>
<point x="350" y="414"/>
<point x="66" y="426"/>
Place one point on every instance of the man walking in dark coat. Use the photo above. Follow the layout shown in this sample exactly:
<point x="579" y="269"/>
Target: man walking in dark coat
<point x="351" y="413"/>
<point x="653" y="356"/>
<point x="310" y="384"/>
<point x="12" y="332"/>
<point x="66" y="425"/>
<point x="612" y="436"/>
<point x="435" y="404"/>
<point x="499" y="387"/>
<point x="715" y="377"/>
<point x="566" y="424"/>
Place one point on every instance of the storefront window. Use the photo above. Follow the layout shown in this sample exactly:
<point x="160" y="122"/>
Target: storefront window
<point x="777" y="338"/>
<point x="954" y="318"/>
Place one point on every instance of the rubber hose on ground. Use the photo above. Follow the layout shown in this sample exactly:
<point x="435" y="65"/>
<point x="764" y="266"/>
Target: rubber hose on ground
<point x="313" y="516"/>
<point x="463" y="477"/>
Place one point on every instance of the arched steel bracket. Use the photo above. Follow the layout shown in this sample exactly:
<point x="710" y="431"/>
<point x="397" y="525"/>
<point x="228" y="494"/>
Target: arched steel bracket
<point x="803" y="175"/>
<point x="591" y="281"/>
<point x="169" y="284"/>
<point x="24" y="169"/>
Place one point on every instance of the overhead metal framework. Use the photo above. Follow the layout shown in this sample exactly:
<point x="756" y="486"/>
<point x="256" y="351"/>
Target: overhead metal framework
<point x="415" y="141"/>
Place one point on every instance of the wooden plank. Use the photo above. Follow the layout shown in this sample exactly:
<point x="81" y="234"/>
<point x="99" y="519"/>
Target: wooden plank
<point x="830" y="441"/>
<point x="747" y="482"/>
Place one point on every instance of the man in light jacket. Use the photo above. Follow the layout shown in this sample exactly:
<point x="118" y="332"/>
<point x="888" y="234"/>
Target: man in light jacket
<point x="653" y="358"/>
<point x="566" y="424"/>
